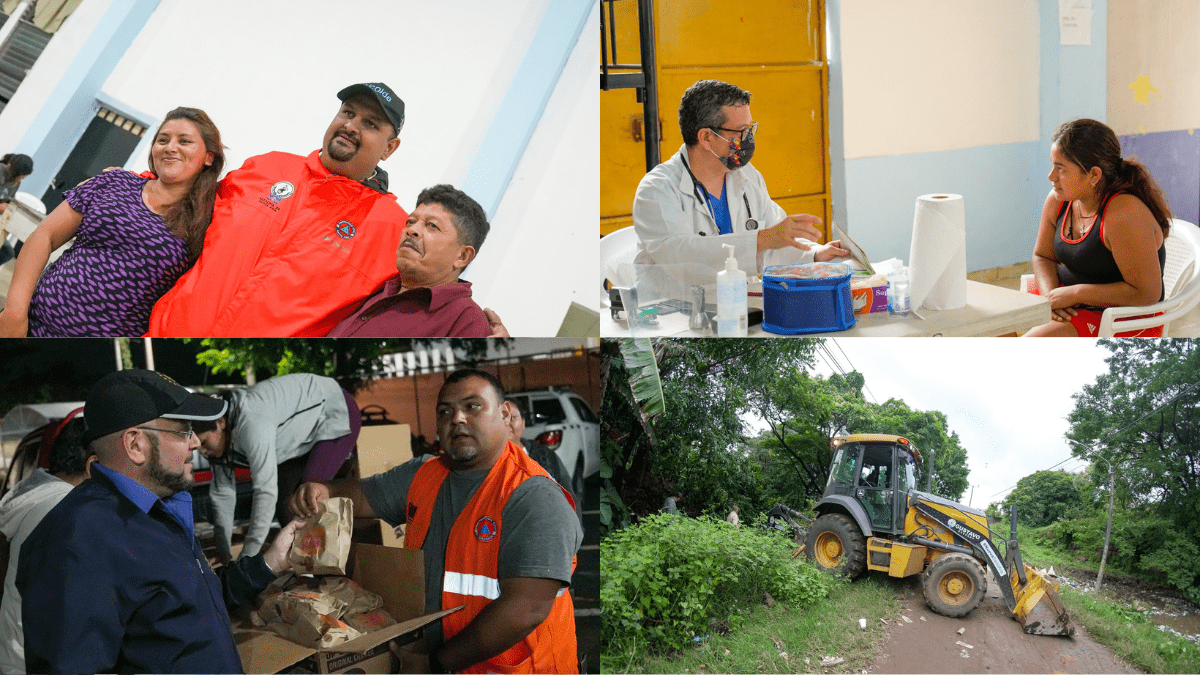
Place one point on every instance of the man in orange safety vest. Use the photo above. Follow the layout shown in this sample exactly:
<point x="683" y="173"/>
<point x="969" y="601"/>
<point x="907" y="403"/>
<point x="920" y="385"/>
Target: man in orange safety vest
<point x="499" y="537"/>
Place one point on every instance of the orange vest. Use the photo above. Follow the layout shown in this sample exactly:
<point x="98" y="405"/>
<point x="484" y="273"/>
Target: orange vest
<point x="473" y="556"/>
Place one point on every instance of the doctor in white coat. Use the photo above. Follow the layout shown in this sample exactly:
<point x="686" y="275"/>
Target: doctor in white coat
<point x="708" y="194"/>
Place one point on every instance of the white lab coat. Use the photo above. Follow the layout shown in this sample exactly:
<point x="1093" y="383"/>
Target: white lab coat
<point x="675" y="226"/>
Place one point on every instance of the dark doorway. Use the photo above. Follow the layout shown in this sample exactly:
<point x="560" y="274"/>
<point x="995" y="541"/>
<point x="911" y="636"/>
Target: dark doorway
<point x="108" y="141"/>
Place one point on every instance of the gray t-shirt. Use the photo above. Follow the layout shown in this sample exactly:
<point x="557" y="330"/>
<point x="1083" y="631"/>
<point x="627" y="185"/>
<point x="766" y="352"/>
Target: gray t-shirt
<point x="273" y="421"/>
<point x="539" y="536"/>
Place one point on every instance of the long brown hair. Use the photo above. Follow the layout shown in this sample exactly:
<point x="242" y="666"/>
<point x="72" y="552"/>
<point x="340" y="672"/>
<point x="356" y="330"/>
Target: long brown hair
<point x="189" y="217"/>
<point x="1090" y="143"/>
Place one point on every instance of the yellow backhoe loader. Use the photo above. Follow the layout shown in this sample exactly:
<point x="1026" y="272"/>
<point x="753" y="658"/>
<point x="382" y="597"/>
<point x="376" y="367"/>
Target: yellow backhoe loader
<point x="872" y="516"/>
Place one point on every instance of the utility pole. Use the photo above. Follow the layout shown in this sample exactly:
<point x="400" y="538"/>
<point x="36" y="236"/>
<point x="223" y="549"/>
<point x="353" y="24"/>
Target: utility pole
<point x="1108" y="529"/>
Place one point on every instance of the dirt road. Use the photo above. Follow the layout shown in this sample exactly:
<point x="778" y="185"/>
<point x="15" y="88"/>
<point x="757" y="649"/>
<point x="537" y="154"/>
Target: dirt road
<point x="998" y="645"/>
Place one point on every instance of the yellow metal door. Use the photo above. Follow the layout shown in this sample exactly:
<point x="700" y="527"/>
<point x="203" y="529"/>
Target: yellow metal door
<point x="774" y="49"/>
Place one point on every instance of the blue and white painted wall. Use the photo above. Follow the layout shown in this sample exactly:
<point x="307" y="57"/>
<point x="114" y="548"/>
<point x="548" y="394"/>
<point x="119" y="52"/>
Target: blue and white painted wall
<point x="1154" y="93"/>
<point x="954" y="96"/>
<point x="498" y="102"/>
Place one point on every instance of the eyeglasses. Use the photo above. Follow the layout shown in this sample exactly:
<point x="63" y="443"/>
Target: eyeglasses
<point x="745" y="133"/>
<point x="187" y="434"/>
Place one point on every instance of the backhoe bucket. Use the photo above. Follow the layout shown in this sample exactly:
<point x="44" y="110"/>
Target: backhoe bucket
<point x="1039" y="609"/>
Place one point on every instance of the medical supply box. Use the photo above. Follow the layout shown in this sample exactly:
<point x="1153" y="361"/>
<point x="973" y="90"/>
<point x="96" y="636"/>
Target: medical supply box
<point x="807" y="298"/>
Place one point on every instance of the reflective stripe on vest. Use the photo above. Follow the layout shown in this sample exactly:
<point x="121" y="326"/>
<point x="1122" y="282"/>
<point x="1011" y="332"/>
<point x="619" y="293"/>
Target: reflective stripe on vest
<point x="471" y="584"/>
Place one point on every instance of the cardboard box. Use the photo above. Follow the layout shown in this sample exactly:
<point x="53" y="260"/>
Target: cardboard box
<point x="383" y="447"/>
<point x="869" y="294"/>
<point x="376" y="531"/>
<point x="397" y="575"/>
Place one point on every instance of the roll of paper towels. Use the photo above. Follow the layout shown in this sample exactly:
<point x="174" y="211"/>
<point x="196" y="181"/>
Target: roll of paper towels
<point x="938" y="257"/>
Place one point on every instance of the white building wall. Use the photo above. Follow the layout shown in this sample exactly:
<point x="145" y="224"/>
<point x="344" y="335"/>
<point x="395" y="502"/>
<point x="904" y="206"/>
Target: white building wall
<point x="1153" y="78"/>
<point x="268" y="72"/>
<point x="553" y="253"/>
<point x="930" y="75"/>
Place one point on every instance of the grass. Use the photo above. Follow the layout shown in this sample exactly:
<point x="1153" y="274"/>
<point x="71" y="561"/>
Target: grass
<point x="829" y="628"/>
<point x="1046" y="556"/>
<point x="1130" y="635"/>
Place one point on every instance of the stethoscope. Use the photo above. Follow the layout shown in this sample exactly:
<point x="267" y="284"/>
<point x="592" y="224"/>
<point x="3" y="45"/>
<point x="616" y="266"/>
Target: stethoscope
<point x="703" y="196"/>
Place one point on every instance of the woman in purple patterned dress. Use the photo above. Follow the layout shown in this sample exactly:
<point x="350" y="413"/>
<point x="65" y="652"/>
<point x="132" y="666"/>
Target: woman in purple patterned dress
<point x="134" y="237"/>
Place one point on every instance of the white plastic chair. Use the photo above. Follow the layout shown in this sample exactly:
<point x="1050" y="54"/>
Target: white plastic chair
<point x="617" y="247"/>
<point x="1181" y="279"/>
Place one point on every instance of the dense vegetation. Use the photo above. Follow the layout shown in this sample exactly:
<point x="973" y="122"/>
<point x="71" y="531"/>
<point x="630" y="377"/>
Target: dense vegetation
<point x="1143" y="416"/>
<point x="669" y="579"/>
<point x="701" y="443"/>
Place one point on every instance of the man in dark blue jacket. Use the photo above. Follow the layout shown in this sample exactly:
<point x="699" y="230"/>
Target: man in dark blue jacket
<point x="114" y="579"/>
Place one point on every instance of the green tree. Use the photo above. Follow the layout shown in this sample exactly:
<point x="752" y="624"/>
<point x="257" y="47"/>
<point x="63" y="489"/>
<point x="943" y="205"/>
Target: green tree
<point x="698" y="445"/>
<point x="1156" y="454"/>
<point x="1043" y="497"/>
<point x="928" y="430"/>
<point x="805" y="413"/>
<point x="1143" y="416"/>
<point x="350" y="361"/>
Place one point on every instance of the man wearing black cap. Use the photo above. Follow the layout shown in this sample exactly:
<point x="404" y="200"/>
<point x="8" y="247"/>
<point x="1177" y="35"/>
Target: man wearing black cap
<point x="114" y="579"/>
<point x="296" y="244"/>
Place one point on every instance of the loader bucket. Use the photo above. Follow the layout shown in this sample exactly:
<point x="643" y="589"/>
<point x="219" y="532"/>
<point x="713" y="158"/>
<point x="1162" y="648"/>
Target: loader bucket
<point x="1039" y="609"/>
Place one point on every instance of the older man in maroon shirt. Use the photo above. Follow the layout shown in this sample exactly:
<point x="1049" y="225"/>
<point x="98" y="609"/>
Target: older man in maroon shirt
<point x="426" y="298"/>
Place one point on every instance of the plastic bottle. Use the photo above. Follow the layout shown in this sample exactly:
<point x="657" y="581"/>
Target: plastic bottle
<point x="731" y="299"/>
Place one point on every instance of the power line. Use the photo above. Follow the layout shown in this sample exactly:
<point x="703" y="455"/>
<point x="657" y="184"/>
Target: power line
<point x="852" y="367"/>
<point x="830" y="359"/>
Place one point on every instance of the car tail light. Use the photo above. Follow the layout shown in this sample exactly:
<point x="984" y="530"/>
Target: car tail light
<point x="550" y="439"/>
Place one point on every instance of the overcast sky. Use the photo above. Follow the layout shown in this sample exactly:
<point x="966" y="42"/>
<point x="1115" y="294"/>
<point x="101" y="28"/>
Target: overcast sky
<point x="1006" y="398"/>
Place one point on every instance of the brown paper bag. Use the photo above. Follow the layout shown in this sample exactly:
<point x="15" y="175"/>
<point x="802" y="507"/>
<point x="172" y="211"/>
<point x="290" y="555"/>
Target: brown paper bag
<point x="294" y="605"/>
<point x="369" y="622"/>
<point x="322" y="546"/>
<point x="355" y="598"/>
<point x="316" y="631"/>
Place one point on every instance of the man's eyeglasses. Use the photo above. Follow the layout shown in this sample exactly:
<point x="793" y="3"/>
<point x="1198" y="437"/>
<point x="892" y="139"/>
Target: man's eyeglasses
<point x="745" y="133"/>
<point x="187" y="434"/>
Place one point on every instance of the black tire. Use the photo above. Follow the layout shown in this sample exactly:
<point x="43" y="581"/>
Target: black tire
<point x="836" y="544"/>
<point x="954" y="585"/>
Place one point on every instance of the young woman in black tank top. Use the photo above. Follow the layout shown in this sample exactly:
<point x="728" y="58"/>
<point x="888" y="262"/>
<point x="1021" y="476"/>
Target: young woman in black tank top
<point x="1100" y="242"/>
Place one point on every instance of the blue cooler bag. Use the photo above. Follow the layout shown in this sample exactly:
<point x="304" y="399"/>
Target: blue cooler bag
<point x="808" y="298"/>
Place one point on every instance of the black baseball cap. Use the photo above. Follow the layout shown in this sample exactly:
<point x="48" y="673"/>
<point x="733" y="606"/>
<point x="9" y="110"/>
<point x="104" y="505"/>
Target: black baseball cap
<point x="392" y="106"/>
<point x="128" y="398"/>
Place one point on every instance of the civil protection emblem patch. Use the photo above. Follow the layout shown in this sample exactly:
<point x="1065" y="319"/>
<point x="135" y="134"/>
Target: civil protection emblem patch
<point x="486" y="529"/>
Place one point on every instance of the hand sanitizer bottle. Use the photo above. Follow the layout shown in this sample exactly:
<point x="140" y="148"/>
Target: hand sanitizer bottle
<point x="731" y="299"/>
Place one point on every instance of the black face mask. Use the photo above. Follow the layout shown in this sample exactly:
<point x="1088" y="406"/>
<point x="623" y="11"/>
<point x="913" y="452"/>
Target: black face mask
<point x="740" y="153"/>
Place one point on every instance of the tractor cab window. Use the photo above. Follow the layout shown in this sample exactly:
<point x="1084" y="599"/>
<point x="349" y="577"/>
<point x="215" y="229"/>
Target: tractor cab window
<point x="876" y="471"/>
<point x="844" y="461"/>
<point x="908" y="472"/>
<point x="876" y="479"/>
